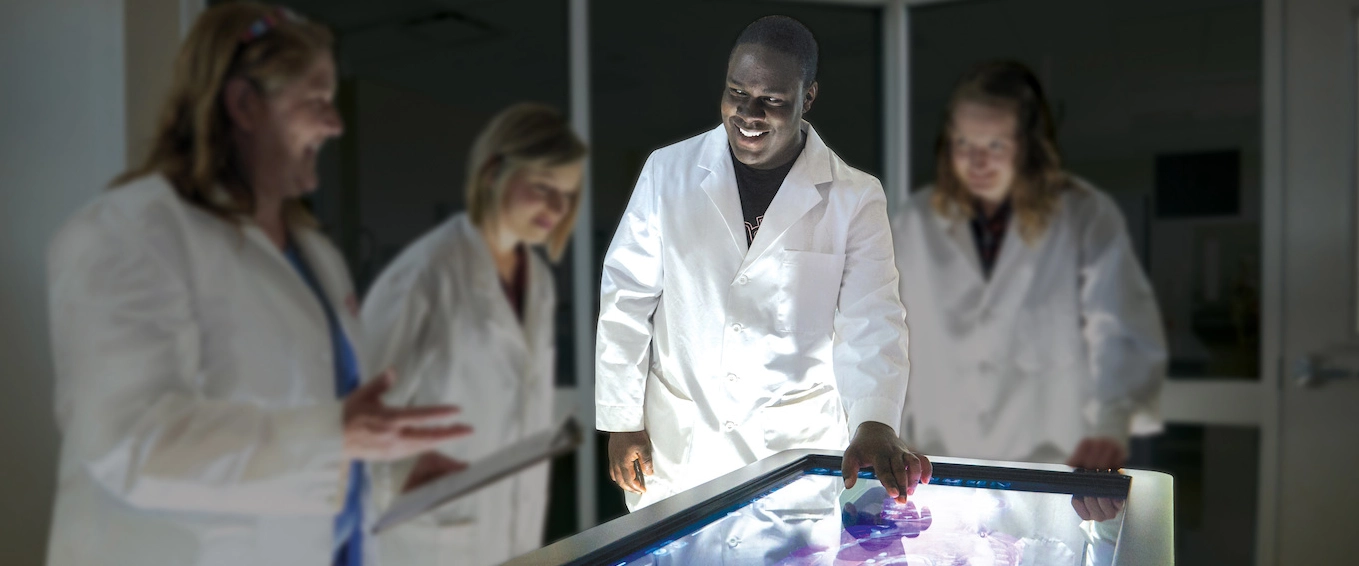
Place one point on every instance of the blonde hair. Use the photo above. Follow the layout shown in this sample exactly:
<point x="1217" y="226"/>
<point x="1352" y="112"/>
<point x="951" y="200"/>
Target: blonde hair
<point x="1039" y="179"/>
<point x="525" y="135"/>
<point x="193" y="148"/>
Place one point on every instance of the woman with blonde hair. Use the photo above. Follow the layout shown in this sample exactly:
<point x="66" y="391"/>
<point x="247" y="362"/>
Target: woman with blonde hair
<point x="1035" y="335"/>
<point x="466" y="312"/>
<point x="207" y="383"/>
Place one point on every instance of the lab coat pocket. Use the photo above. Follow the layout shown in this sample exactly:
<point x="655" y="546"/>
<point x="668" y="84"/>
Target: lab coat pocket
<point x="1043" y="340"/>
<point x="669" y="421"/>
<point x="424" y="541"/>
<point x="809" y="290"/>
<point x="814" y="418"/>
<point x="458" y="543"/>
<point x="1030" y="346"/>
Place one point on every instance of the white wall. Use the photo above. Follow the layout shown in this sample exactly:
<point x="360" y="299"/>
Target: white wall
<point x="152" y="32"/>
<point x="62" y="136"/>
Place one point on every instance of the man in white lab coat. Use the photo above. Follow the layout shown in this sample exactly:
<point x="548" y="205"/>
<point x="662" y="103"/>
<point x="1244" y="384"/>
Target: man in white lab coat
<point x="749" y="299"/>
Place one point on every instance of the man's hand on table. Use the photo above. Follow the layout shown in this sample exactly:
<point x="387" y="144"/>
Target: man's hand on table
<point x="877" y="445"/>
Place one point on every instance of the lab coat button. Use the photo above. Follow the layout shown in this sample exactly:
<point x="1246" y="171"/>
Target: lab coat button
<point x="729" y="426"/>
<point x="743" y="280"/>
<point x="736" y="327"/>
<point x="732" y="378"/>
<point x="734" y="542"/>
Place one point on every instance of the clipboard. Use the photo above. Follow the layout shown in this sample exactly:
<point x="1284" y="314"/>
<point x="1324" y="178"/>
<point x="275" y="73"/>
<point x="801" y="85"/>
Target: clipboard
<point x="527" y="452"/>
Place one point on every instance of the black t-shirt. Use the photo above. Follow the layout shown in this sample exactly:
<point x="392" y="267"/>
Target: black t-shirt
<point x="757" y="188"/>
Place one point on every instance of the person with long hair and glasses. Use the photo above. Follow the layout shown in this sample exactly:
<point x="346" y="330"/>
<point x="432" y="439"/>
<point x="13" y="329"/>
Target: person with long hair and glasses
<point x="205" y="333"/>
<point x="1035" y="334"/>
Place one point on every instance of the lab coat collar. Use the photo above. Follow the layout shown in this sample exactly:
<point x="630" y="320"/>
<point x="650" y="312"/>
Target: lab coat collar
<point x="720" y="184"/>
<point x="285" y="272"/>
<point x="798" y="194"/>
<point x="311" y="245"/>
<point x="1014" y="254"/>
<point x="283" y="269"/>
<point x="487" y="281"/>
<point x="957" y="230"/>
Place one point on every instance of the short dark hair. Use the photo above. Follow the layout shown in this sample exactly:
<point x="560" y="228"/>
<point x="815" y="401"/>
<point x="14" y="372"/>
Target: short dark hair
<point x="785" y="35"/>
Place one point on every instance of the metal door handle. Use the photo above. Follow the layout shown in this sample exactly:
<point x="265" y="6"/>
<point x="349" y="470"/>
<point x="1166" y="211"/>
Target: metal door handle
<point x="1313" y="371"/>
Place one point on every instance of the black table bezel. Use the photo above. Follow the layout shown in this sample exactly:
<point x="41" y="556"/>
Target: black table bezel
<point x="1076" y="483"/>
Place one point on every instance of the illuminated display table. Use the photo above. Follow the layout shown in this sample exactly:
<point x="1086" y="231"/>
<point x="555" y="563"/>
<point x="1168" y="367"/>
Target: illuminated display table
<point x="792" y="509"/>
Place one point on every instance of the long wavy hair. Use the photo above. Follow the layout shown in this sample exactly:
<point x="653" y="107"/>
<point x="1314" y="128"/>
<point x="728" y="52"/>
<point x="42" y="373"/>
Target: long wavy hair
<point x="1039" y="178"/>
<point x="193" y="147"/>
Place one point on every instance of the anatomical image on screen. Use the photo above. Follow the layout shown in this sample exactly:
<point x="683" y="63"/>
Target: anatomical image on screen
<point x="813" y="520"/>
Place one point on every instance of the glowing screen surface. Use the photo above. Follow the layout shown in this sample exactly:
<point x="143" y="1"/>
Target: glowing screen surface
<point x="810" y="519"/>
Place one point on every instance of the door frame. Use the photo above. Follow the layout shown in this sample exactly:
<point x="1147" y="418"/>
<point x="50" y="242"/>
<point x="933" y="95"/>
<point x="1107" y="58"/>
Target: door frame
<point x="1271" y="284"/>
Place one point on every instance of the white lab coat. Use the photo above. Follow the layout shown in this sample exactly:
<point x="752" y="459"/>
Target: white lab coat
<point x="439" y="318"/>
<point x="726" y="355"/>
<point x="195" y="389"/>
<point x="1063" y="342"/>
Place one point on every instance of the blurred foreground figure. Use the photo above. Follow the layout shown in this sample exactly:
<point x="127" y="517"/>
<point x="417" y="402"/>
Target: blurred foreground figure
<point x="203" y="330"/>
<point x="1035" y="334"/>
<point x="466" y="313"/>
<point x="749" y="300"/>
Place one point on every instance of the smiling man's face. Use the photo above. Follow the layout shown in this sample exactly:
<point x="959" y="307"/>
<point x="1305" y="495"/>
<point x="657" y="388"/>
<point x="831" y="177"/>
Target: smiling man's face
<point x="763" y="105"/>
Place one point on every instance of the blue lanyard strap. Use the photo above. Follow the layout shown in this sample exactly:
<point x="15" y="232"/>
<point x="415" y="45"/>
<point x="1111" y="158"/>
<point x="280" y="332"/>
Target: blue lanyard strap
<point x="349" y="523"/>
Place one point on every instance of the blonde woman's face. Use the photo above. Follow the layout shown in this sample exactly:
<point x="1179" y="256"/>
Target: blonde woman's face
<point x="300" y="118"/>
<point x="538" y="199"/>
<point x="983" y="149"/>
